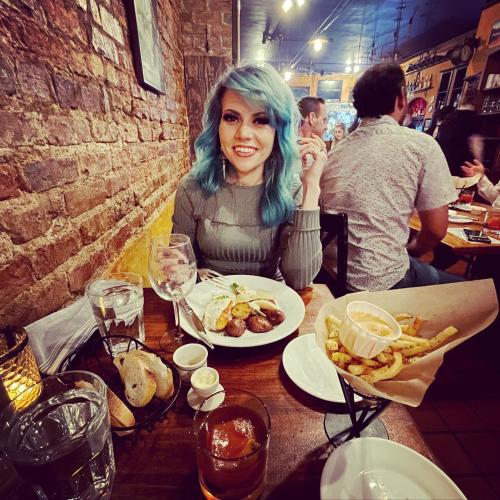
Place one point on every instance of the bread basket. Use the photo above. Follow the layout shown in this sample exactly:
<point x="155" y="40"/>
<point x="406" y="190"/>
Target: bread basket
<point x="94" y="356"/>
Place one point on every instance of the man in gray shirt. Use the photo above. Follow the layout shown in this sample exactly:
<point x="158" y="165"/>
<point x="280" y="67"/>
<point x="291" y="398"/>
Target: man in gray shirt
<point x="378" y="175"/>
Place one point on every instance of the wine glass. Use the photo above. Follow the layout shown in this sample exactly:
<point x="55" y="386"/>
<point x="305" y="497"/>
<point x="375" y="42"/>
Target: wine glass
<point x="172" y="273"/>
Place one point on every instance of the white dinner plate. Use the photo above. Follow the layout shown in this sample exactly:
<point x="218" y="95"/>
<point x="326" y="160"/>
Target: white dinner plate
<point x="307" y="366"/>
<point x="287" y="299"/>
<point x="466" y="207"/>
<point x="371" y="467"/>
<point x="457" y="219"/>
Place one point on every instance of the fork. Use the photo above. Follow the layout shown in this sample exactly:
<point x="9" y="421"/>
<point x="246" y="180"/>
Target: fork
<point x="216" y="278"/>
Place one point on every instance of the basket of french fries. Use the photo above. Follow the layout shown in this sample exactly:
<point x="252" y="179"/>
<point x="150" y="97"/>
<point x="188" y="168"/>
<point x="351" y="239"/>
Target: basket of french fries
<point x="432" y="319"/>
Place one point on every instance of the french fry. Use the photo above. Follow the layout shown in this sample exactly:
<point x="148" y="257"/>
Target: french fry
<point x="417" y="324"/>
<point x="333" y="326"/>
<point x="371" y="362"/>
<point x="341" y="357"/>
<point x="384" y="358"/>
<point x="401" y="316"/>
<point x="398" y="345"/>
<point x="431" y="344"/>
<point x="356" y="369"/>
<point x="386" y="371"/>
<point x="413" y="340"/>
<point x="408" y="349"/>
<point x="332" y="345"/>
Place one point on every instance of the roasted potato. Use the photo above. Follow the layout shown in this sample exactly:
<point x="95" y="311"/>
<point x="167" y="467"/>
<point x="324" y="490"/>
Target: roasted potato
<point x="236" y="327"/>
<point x="241" y="310"/>
<point x="275" y="316"/>
<point x="258" y="324"/>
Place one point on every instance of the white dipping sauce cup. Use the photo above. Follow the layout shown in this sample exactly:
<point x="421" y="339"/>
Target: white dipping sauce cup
<point x="361" y="342"/>
<point x="202" y="389"/>
<point x="189" y="358"/>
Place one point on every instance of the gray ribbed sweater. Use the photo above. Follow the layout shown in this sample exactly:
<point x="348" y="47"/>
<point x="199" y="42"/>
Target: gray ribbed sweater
<point x="229" y="237"/>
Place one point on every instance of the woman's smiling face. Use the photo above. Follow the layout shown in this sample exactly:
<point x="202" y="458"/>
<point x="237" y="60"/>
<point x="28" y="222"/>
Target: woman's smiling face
<point x="246" y="137"/>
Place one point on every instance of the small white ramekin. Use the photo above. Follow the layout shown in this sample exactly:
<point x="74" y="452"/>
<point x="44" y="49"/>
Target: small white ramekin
<point x="361" y="342"/>
<point x="189" y="358"/>
<point x="204" y="390"/>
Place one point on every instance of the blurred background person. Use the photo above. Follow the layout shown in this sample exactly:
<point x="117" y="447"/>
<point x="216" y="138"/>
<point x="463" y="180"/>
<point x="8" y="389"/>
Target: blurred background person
<point x="313" y="112"/>
<point x="485" y="187"/>
<point x="438" y="118"/>
<point x="459" y="136"/>
<point x="339" y="134"/>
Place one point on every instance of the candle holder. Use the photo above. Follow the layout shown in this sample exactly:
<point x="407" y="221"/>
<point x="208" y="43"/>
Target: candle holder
<point x="18" y="369"/>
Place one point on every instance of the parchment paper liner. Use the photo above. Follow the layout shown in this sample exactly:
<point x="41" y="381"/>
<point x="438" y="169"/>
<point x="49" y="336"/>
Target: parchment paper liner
<point x="470" y="306"/>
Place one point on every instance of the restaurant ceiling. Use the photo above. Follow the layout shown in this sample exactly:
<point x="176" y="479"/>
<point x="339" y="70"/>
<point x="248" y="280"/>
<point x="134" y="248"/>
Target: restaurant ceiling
<point x="357" y="31"/>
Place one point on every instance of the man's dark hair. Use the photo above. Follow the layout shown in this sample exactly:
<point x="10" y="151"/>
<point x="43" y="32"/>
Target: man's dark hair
<point x="309" y="104"/>
<point x="375" y="92"/>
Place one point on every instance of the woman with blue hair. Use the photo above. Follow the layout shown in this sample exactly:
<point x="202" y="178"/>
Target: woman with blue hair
<point x="243" y="204"/>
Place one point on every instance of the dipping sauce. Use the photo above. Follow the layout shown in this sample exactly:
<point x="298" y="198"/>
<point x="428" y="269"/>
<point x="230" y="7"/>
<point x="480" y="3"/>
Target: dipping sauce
<point x="204" y="378"/>
<point x="371" y="323"/>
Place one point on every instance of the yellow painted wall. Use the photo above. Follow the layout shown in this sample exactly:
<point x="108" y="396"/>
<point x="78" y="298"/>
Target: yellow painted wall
<point x="134" y="257"/>
<point x="488" y="18"/>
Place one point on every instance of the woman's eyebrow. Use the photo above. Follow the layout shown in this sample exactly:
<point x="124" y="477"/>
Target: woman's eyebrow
<point x="229" y="110"/>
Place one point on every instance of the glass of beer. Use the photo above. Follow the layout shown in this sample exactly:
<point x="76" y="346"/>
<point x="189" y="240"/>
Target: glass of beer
<point x="61" y="443"/>
<point x="231" y="430"/>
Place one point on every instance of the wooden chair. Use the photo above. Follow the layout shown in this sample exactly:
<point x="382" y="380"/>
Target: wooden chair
<point x="334" y="226"/>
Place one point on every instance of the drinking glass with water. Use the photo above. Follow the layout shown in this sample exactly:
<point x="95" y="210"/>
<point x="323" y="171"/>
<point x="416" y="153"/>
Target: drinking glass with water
<point x="117" y="301"/>
<point x="61" y="443"/>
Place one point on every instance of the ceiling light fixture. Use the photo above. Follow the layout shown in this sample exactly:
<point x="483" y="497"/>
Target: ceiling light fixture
<point x="287" y="75"/>
<point x="348" y="69"/>
<point x="317" y="44"/>
<point x="300" y="3"/>
<point x="356" y="68"/>
<point x="287" y="5"/>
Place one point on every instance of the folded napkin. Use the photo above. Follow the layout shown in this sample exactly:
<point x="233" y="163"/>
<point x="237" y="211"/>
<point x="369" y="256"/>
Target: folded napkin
<point x="54" y="337"/>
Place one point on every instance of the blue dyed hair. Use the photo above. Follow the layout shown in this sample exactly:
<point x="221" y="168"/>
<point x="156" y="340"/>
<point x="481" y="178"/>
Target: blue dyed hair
<point x="263" y="85"/>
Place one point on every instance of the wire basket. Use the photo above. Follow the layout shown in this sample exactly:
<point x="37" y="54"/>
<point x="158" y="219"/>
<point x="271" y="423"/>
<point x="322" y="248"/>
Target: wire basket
<point x="94" y="357"/>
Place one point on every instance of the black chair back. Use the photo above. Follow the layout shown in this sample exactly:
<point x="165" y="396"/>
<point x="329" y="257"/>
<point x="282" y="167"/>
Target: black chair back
<point x="334" y="227"/>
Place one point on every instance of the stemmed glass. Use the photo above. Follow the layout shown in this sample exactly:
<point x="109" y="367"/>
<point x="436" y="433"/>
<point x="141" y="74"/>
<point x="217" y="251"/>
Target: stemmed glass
<point x="172" y="273"/>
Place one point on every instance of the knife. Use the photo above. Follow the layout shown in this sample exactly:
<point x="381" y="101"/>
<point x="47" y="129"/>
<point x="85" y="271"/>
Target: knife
<point x="196" y="322"/>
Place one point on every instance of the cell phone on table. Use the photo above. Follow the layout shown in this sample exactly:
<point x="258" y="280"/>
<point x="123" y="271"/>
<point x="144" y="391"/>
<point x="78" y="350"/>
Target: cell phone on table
<point x="476" y="236"/>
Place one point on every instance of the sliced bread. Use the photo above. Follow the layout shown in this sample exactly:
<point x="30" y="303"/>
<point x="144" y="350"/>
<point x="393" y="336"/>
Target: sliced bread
<point x="163" y="374"/>
<point x="138" y="379"/>
<point x="119" y="414"/>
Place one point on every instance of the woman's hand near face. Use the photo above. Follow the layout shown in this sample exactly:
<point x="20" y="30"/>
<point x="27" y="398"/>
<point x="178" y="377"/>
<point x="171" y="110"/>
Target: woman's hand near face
<point x="471" y="169"/>
<point x="311" y="176"/>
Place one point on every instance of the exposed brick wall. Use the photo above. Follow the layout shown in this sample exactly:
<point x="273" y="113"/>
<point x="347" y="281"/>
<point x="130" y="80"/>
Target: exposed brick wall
<point x="87" y="157"/>
<point x="207" y="37"/>
<point x="207" y="28"/>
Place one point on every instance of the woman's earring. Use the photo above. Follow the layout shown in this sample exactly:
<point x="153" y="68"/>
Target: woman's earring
<point x="223" y="159"/>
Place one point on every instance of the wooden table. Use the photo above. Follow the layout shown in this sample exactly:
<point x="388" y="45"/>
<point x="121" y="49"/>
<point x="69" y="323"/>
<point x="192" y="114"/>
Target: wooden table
<point x="459" y="246"/>
<point x="162" y="464"/>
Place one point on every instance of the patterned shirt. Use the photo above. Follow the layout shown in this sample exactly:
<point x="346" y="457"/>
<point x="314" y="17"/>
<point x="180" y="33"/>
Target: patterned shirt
<point x="378" y="175"/>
